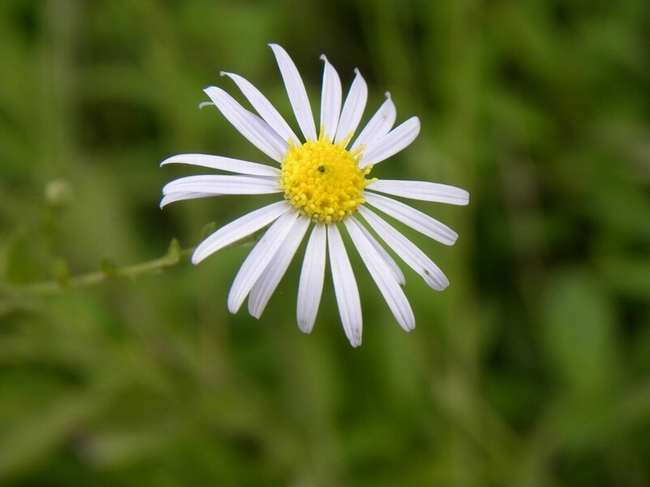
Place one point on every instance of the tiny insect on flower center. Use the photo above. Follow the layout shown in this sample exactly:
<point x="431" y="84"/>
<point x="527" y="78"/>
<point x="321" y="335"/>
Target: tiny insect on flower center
<point x="322" y="179"/>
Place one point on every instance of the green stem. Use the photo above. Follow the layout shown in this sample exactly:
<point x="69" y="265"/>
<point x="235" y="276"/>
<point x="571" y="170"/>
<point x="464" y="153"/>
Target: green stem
<point x="174" y="256"/>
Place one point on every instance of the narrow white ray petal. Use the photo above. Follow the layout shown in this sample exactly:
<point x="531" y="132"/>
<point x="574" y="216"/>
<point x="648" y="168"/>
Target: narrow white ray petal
<point x="179" y="196"/>
<point x="296" y="91"/>
<point x="257" y="131"/>
<point x="379" y="125"/>
<point x="380" y="272"/>
<point x="353" y="108"/>
<point x="407" y="250"/>
<point x="330" y="104"/>
<point x="270" y="278"/>
<point x="312" y="275"/>
<point x="415" y="219"/>
<point x="219" y="184"/>
<point x="259" y="258"/>
<point x="264" y="107"/>
<point x="391" y="143"/>
<point x="345" y="286"/>
<point x="239" y="228"/>
<point x="422" y="190"/>
<point x="390" y="262"/>
<point x="224" y="164"/>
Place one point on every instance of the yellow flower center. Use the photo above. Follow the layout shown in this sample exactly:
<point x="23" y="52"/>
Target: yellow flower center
<point x="323" y="181"/>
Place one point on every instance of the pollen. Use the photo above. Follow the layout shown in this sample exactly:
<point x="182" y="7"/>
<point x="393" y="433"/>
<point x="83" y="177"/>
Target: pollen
<point x="322" y="179"/>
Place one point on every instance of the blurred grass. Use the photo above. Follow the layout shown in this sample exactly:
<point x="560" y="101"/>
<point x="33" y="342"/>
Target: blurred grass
<point x="532" y="369"/>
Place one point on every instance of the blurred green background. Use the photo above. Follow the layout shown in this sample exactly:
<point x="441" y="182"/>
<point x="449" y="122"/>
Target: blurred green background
<point x="531" y="369"/>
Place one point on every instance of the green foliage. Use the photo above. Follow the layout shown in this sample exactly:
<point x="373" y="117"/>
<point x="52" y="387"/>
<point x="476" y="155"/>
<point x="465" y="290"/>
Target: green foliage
<point x="120" y="364"/>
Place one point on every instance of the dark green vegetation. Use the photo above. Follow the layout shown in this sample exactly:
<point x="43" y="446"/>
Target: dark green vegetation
<point x="531" y="369"/>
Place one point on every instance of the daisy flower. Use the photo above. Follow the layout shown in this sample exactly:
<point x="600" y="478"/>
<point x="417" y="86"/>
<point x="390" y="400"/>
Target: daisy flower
<point x="324" y="184"/>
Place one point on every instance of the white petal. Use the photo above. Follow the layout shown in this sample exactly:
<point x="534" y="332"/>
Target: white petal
<point x="422" y="190"/>
<point x="413" y="218"/>
<point x="259" y="258"/>
<point x="218" y="184"/>
<point x="264" y="107"/>
<point x="345" y="287"/>
<point x="296" y="91"/>
<point x="257" y="131"/>
<point x="389" y="287"/>
<point x="310" y="287"/>
<point x="224" y="164"/>
<point x="390" y="262"/>
<point x="238" y="229"/>
<point x="391" y="143"/>
<point x="180" y="196"/>
<point x="353" y="108"/>
<point x="270" y="278"/>
<point x="379" y="125"/>
<point x="330" y="105"/>
<point x="407" y="251"/>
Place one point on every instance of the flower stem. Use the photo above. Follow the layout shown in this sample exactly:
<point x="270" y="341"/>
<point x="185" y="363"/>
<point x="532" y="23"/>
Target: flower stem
<point x="175" y="255"/>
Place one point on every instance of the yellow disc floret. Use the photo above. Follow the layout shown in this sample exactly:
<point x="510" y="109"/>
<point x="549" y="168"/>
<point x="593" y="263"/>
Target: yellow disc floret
<point x="322" y="179"/>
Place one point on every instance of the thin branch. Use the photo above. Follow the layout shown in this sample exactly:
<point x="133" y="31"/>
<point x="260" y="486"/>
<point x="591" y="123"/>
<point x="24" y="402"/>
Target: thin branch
<point x="174" y="256"/>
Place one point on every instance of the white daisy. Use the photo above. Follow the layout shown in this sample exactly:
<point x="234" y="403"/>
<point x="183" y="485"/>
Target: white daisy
<point x="324" y="184"/>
